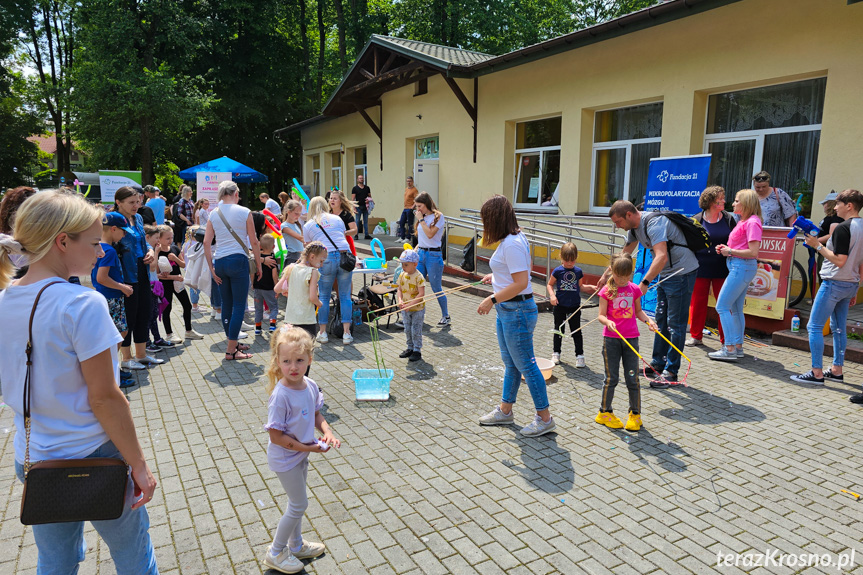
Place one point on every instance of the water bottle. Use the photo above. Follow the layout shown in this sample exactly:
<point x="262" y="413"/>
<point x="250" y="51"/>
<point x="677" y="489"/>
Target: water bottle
<point x="795" y="322"/>
<point x="357" y="315"/>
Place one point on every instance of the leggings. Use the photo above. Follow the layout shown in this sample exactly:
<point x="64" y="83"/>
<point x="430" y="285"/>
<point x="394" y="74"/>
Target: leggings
<point x="289" y="531"/>
<point x="154" y="319"/>
<point x="560" y="314"/>
<point x="614" y="352"/>
<point x="183" y="298"/>
<point x="139" y="306"/>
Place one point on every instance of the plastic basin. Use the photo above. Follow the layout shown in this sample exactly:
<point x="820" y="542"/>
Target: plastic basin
<point x="372" y="384"/>
<point x="545" y="366"/>
<point x="373" y="263"/>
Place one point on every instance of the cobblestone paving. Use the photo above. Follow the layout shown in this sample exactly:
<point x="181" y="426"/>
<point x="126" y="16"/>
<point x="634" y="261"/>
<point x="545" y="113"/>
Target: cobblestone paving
<point x="742" y="460"/>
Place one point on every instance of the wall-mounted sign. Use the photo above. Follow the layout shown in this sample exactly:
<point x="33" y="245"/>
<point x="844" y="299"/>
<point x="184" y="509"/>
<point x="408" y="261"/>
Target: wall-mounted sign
<point x="427" y="148"/>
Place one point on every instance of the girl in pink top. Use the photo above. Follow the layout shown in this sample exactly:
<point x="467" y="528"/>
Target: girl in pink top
<point x="619" y="305"/>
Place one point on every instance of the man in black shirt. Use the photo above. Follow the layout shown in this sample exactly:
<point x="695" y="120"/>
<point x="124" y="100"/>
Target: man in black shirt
<point x="146" y="213"/>
<point x="360" y="194"/>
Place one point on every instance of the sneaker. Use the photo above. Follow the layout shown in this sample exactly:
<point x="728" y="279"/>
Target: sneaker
<point x="272" y="327"/>
<point x="347" y="339"/>
<point x="153" y="348"/>
<point x="149" y="359"/>
<point x="829" y="375"/>
<point x="399" y="324"/>
<point x="666" y="380"/>
<point x="740" y="354"/>
<point x="215" y="316"/>
<point x="124" y="383"/>
<point x="555" y="358"/>
<point x="858" y="399"/>
<point x="633" y="423"/>
<point x="497" y="417"/>
<point x="723" y="354"/>
<point x="258" y="331"/>
<point x="415" y="356"/>
<point x="808" y="377"/>
<point x="693" y="341"/>
<point x="309" y="550"/>
<point x="164" y="343"/>
<point x="132" y="364"/>
<point x="193" y="335"/>
<point x="609" y="420"/>
<point x="538" y="427"/>
<point x="579" y="361"/>
<point x="444" y="321"/>
<point x="247" y="326"/>
<point x="367" y="237"/>
<point x="406" y="353"/>
<point x="125" y="374"/>
<point x="322" y="337"/>
<point x="242" y="335"/>
<point x="175" y="339"/>
<point x="284" y="562"/>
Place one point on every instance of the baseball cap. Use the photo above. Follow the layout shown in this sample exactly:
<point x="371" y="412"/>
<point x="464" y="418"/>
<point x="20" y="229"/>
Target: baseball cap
<point x="117" y="219"/>
<point x="829" y="197"/>
<point x="409" y="257"/>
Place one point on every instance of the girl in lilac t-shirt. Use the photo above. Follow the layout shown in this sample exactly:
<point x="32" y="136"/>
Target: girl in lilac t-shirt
<point x="619" y="305"/>
<point x="293" y="413"/>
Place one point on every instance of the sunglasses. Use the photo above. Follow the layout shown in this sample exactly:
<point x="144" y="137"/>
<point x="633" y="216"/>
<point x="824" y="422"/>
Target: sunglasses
<point x="761" y="179"/>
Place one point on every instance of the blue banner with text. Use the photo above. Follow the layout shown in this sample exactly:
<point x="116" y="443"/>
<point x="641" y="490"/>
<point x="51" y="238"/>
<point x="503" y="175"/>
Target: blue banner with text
<point x="675" y="184"/>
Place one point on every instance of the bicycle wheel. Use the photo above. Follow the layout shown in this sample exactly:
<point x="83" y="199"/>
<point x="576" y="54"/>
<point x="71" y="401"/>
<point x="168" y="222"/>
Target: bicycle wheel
<point x="797" y="284"/>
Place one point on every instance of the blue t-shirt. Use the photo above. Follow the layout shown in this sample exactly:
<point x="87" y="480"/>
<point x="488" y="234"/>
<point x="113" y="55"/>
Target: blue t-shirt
<point x="566" y="287"/>
<point x="158" y="207"/>
<point x="115" y="272"/>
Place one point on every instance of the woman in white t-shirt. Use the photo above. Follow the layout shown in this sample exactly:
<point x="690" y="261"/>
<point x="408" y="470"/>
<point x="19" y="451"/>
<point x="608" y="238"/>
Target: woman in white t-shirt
<point x="77" y="408"/>
<point x="230" y="269"/>
<point x="516" y="315"/>
<point x="329" y="229"/>
<point x="430" y="227"/>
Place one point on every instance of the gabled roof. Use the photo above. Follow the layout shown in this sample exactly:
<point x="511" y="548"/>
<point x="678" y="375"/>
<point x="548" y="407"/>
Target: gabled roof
<point x="443" y="56"/>
<point x="46" y="142"/>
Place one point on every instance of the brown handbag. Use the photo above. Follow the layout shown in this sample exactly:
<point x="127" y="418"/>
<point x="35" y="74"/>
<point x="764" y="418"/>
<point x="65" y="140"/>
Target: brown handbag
<point x="62" y="490"/>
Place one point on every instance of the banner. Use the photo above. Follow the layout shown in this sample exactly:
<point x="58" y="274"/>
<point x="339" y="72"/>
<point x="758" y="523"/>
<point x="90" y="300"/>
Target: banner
<point x="112" y="180"/>
<point x="208" y="186"/>
<point x="675" y="184"/>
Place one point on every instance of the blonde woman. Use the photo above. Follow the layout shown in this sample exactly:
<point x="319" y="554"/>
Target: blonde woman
<point x="77" y="408"/>
<point x="742" y="253"/>
<point x="340" y="206"/>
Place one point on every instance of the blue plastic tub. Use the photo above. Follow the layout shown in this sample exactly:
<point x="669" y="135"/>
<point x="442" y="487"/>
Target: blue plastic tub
<point x="373" y="263"/>
<point x="372" y="384"/>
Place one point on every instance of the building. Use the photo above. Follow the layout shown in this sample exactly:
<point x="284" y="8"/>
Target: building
<point x="48" y="144"/>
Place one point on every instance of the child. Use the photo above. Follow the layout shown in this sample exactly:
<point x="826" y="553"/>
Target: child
<point x="152" y="236"/>
<point x="263" y="288"/>
<point x="564" y="291"/>
<point x="299" y="284"/>
<point x="619" y="305"/>
<point x="189" y="246"/>
<point x="411" y="292"/>
<point x="107" y="278"/>
<point x="172" y="283"/>
<point x="293" y="413"/>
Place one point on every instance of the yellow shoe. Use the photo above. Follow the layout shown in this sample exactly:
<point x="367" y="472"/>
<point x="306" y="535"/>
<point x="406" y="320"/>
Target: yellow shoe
<point x="634" y="422"/>
<point x="609" y="420"/>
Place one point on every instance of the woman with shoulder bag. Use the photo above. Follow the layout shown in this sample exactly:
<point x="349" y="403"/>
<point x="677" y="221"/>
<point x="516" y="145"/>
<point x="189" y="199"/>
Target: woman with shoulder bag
<point x="74" y="407"/>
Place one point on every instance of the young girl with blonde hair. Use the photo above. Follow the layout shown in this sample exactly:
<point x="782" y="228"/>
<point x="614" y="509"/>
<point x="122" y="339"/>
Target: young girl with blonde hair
<point x="293" y="413"/>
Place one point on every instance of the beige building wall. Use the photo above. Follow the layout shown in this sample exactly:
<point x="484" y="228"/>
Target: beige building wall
<point x="745" y="44"/>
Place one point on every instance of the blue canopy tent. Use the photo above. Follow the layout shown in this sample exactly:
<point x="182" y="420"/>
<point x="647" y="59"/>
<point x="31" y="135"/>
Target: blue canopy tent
<point x="239" y="173"/>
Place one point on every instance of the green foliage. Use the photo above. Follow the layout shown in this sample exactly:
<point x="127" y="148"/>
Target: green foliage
<point x="166" y="178"/>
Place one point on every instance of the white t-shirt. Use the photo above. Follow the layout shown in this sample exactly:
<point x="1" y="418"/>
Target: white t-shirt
<point x="292" y="411"/>
<point x="236" y="215"/>
<point x="431" y="242"/>
<point x="334" y="226"/>
<point x="72" y="324"/>
<point x="274" y="206"/>
<point x="511" y="256"/>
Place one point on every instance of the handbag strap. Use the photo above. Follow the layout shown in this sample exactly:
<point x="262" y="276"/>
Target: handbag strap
<point x="328" y="237"/>
<point x="233" y="233"/>
<point x="27" y="386"/>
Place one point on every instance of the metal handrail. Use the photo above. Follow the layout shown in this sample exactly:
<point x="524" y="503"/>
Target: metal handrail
<point x="570" y="237"/>
<point x="569" y="222"/>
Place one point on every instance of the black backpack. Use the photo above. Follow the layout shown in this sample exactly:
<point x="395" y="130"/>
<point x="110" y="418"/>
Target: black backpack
<point x="467" y="252"/>
<point x="697" y="238"/>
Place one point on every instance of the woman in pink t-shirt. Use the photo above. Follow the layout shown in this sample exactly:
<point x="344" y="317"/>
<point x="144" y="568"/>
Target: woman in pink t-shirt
<point x="741" y="251"/>
<point x="619" y="305"/>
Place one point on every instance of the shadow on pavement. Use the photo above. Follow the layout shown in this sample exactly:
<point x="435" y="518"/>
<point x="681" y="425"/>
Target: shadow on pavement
<point x="546" y="465"/>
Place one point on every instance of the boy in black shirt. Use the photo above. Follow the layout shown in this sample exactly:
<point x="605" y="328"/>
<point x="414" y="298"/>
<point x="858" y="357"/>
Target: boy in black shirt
<point x="264" y="288"/>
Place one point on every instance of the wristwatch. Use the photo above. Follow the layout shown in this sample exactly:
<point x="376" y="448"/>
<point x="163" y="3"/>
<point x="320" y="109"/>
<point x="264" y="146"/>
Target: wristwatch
<point x="819" y="248"/>
<point x="493" y="299"/>
<point x="645" y="282"/>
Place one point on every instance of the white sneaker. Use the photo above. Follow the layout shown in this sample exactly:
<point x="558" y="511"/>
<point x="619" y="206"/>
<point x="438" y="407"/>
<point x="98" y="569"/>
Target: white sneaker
<point x="243" y="335"/>
<point x="284" y="562"/>
<point x="579" y="361"/>
<point x="247" y="326"/>
<point x="174" y="338"/>
<point x="132" y="364"/>
<point x="497" y="417"/>
<point x="555" y="357"/>
<point x="149" y="359"/>
<point x="193" y="335"/>
<point x="309" y="550"/>
<point x="692" y="342"/>
<point x="322" y="337"/>
<point x="538" y="427"/>
<point x="215" y="316"/>
<point x="347" y="339"/>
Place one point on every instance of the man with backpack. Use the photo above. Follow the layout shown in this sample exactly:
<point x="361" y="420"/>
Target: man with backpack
<point x="671" y="238"/>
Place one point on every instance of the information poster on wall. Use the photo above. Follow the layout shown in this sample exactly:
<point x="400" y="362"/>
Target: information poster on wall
<point x="112" y="180"/>
<point x="208" y="186"/>
<point x="675" y="184"/>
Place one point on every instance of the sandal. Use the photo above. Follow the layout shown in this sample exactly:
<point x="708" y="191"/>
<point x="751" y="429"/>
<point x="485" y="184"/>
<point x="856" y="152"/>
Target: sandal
<point x="243" y="346"/>
<point x="233" y="356"/>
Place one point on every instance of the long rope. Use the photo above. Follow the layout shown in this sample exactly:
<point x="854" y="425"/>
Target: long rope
<point x="428" y="298"/>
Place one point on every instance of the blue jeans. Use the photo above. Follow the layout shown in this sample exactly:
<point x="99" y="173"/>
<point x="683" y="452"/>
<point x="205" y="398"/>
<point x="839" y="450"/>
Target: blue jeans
<point x="729" y="304"/>
<point x="233" y="270"/>
<point x="215" y="296"/>
<point x="832" y="300"/>
<point x="194" y="295"/>
<point x="431" y="266"/>
<point x="61" y="545"/>
<point x="515" y="323"/>
<point x="363" y="221"/>
<point x="330" y="274"/>
<point x="672" y="314"/>
<point x="406" y="223"/>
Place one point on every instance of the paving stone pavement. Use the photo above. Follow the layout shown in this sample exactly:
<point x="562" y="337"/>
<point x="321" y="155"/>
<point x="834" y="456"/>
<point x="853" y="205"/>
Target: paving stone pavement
<point x="742" y="460"/>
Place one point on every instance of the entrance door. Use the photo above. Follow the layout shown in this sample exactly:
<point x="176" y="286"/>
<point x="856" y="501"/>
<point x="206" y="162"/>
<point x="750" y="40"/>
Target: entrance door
<point x="426" y="178"/>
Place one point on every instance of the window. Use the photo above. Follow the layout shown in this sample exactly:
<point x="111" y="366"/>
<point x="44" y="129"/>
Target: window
<point x="537" y="162"/>
<point x="316" y="175"/>
<point x="624" y="141"/>
<point x="360" y="164"/>
<point x="427" y="148"/>
<point x="337" y="170"/>
<point x="773" y="128"/>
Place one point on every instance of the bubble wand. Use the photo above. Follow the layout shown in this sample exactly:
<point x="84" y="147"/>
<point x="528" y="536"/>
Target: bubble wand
<point x="683" y="381"/>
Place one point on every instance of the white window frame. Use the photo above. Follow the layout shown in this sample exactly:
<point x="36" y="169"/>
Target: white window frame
<point x="614" y="145"/>
<point x="758" y="135"/>
<point x="316" y="182"/>
<point x="336" y="173"/>
<point x="520" y="154"/>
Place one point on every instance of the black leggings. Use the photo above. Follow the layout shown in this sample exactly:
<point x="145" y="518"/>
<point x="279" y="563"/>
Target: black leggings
<point x="139" y="306"/>
<point x="183" y="298"/>
<point x="560" y="314"/>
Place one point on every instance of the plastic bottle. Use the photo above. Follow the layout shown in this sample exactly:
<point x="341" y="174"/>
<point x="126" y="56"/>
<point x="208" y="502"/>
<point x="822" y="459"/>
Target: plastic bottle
<point x="795" y="322"/>
<point x="357" y="316"/>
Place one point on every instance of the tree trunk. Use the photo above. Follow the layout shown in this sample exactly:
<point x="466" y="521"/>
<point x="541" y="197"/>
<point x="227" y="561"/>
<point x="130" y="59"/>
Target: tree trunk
<point x="322" y="43"/>
<point x="307" y="65"/>
<point x="340" y="24"/>
<point x="146" y="154"/>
